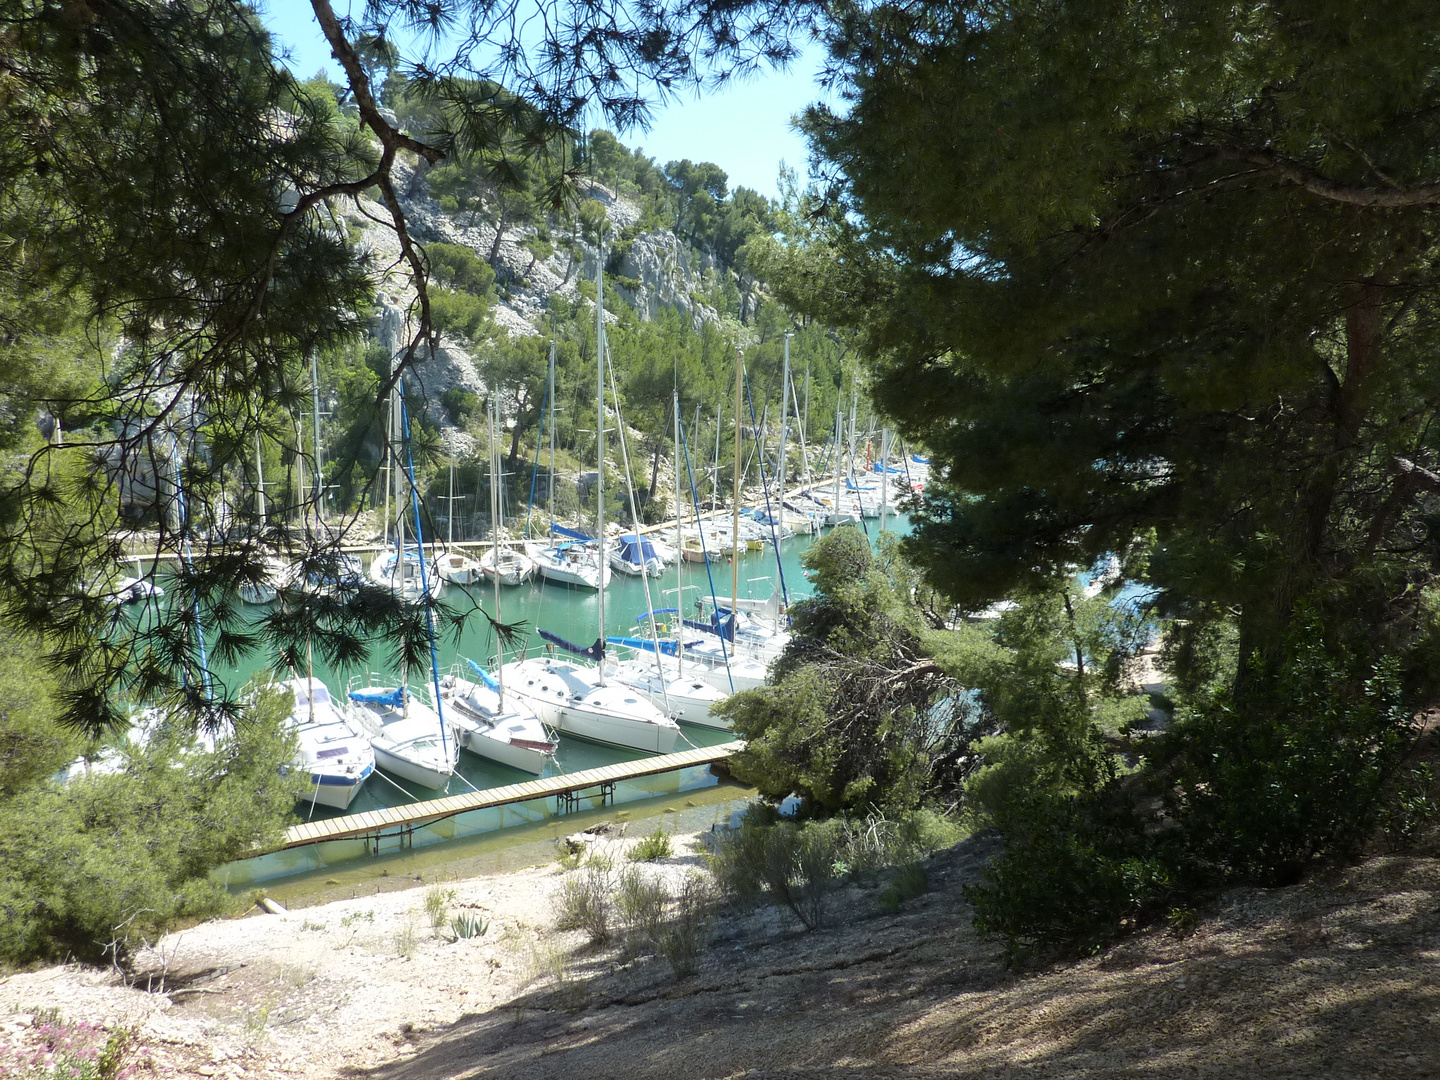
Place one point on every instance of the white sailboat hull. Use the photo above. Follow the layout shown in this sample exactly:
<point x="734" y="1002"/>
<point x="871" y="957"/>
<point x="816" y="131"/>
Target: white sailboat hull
<point x="457" y="569"/>
<point x="570" y="698"/>
<point x="687" y="698"/>
<point x="409" y="742"/>
<point x="512" y="736"/>
<point x="577" y="573"/>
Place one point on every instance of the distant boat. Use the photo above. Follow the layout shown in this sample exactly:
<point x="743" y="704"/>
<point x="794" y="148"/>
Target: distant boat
<point x="274" y="574"/>
<point x="635" y="555"/>
<point x="457" y="568"/>
<point x="508" y="566"/>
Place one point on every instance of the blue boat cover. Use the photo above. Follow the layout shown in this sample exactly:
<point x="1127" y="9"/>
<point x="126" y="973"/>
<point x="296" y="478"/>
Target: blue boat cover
<point x="484" y="676"/>
<point x="636" y="549"/>
<point x="919" y="460"/>
<point x="658" y="611"/>
<point x="667" y="647"/>
<point x="394" y="698"/>
<point x="595" y="652"/>
<point x="573" y="534"/>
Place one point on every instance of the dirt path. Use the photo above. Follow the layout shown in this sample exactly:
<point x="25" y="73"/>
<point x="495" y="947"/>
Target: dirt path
<point x="1337" y="978"/>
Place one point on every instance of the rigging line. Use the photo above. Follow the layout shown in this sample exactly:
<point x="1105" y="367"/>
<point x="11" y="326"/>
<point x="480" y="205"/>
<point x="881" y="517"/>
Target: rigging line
<point x="640" y="538"/>
<point x="424" y="583"/>
<point x="765" y="484"/>
<point x="709" y="574"/>
<point x="409" y="795"/>
<point x="539" y="444"/>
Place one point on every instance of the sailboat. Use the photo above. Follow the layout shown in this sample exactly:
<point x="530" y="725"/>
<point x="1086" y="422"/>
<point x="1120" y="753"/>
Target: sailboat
<point x="409" y="734"/>
<point x="502" y="563"/>
<point x="656" y="673"/>
<point x="402" y="568"/>
<point x="273" y="573"/>
<point x="573" y="558"/>
<point x="489" y="723"/>
<point x="330" y="747"/>
<point x="574" y="697"/>
<point x="454" y="566"/>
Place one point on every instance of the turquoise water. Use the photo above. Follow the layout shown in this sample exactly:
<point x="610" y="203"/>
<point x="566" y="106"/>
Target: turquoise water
<point x="573" y="614"/>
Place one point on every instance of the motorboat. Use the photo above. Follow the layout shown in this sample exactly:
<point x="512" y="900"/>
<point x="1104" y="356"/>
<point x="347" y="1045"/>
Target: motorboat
<point x="325" y="573"/>
<point x="331" y="747"/>
<point x="133" y="590"/>
<point x="635" y="555"/>
<point x="574" y="699"/>
<point x="497" y="728"/>
<point x="406" y="734"/>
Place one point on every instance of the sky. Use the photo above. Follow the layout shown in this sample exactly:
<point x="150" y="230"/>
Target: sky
<point x="745" y="129"/>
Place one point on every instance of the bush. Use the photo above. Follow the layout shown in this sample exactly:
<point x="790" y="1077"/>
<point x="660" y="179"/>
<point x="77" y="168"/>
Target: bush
<point x="640" y="903"/>
<point x="652" y="847"/>
<point x="796" y="864"/>
<point x="681" y="939"/>
<point x="909" y="882"/>
<point x="1295" y="776"/>
<point x="584" y="903"/>
<point x="126" y="856"/>
<point x="1063" y="885"/>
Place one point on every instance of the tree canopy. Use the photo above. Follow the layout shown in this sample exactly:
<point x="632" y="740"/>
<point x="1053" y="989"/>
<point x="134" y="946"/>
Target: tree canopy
<point x="1148" y="278"/>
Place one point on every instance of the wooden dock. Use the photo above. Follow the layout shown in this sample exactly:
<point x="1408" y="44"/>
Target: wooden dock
<point x="400" y="820"/>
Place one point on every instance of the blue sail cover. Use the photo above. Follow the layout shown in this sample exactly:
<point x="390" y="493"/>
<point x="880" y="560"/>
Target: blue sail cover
<point x="394" y="698"/>
<point x="669" y="648"/>
<point x="595" y="652"/>
<point x="571" y="534"/>
<point x="644" y="615"/>
<point x="636" y="549"/>
<point x="919" y="460"/>
<point x="484" y="676"/>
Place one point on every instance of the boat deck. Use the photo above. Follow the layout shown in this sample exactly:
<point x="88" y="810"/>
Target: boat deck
<point x="565" y="786"/>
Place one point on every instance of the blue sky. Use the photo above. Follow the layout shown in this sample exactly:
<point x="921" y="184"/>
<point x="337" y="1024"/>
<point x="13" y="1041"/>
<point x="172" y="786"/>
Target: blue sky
<point x="745" y="129"/>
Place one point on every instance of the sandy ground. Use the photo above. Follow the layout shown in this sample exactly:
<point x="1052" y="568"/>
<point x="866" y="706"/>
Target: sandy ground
<point x="1339" y="977"/>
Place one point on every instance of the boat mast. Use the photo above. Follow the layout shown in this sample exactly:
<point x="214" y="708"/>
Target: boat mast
<point x="600" y="448"/>
<point x="735" y="522"/>
<point x="551" y="492"/>
<point x="495" y="549"/>
<point x="839" y="438"/>
<point x="679" y="551"/>
<point x="884" y="475"/>
<point x="784" y="426"/>
<point x="315" y="419"/>
<point x="259" y="480"/>
<point x="715" y="472"/>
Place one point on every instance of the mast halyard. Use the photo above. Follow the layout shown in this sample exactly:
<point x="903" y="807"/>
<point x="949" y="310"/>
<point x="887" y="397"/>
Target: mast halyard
<point x="735" y="522"/>
<point x="495" y="548"/>
<point x="600" y="447"/>
<point x="679" y="551"/>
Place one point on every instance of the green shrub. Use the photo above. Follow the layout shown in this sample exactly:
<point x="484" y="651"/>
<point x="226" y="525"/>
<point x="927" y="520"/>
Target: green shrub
<point x="909" y="882"/>
<point x="465" y="926"/>
<point x="1063" y="887"/>
<point x="652" y="847"/>
<point x="125" y="856"/>
<point x="681" y="938"/>
<point x="584" y="904"/>
<point x="640" y="903"/>
<point x="1299" y="774"/>
<point x="437" y="906"/>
